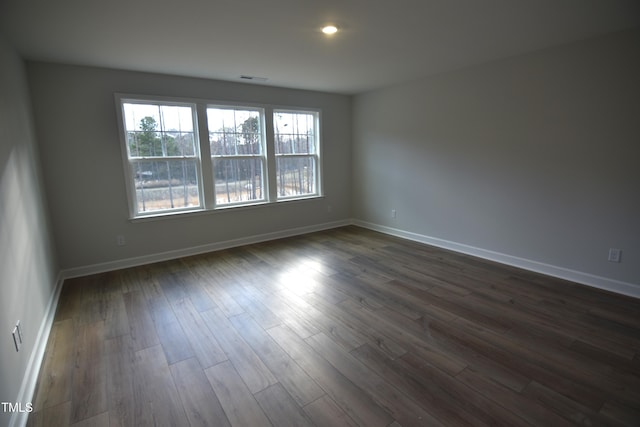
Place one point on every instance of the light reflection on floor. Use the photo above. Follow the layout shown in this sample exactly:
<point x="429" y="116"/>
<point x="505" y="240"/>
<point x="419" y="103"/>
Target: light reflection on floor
<point x="300" y="279"/>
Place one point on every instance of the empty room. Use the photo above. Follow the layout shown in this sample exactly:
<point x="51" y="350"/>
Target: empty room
<point x="336" y="213"/>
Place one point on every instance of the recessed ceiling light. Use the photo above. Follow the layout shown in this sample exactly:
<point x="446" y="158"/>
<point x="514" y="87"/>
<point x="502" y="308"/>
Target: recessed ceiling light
<point x="330" y="29"/>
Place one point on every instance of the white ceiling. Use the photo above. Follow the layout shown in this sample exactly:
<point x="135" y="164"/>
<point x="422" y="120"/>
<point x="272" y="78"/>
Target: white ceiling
<point x="381" y="42"/>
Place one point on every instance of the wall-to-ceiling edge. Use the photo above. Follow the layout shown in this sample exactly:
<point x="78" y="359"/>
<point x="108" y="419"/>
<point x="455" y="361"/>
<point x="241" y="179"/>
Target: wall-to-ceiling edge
<point x="29" y="282"/>
<point x="75" y="117"/>
<point x="368" y="214"/>
<point x="530" y="161"/>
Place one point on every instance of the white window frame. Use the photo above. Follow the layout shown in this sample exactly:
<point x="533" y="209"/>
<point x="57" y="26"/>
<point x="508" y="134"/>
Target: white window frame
<point x="131" y="160"/>
<point x="262" y="156"/>
<point x="317" y="176"/>
<point x="204" y="159"/>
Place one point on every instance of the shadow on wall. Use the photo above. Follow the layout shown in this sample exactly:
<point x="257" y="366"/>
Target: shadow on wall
<point x="23" y="263"/>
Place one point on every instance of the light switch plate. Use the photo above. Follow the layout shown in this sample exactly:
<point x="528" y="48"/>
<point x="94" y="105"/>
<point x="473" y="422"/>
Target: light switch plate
<point x="16" y="338"/>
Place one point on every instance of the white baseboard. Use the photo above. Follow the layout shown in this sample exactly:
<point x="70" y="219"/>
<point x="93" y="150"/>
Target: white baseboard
<point x="30" y="379"/>
<point x="624" y="288"/>
<point x="617" y="286"/>
<point x="196" y="250"/>
<point x="27" y="388"/>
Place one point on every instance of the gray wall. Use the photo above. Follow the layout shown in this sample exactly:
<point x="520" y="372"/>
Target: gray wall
<point x="76" y="119"/>
<point x="27" y="262"/>
<point x="537" y="156"/>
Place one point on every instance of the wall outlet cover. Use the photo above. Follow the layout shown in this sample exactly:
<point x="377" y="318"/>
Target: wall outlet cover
<point x="614" y="255"/>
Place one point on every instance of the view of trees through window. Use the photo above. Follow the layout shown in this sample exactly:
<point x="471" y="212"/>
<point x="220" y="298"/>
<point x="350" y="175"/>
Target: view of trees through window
<point x="236" y="141"/>
<point x="295" y="148"/>
<point x="162" y="153"/>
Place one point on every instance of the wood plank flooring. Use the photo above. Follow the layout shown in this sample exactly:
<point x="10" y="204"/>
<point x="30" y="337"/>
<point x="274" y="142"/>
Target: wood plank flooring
<point x="345" y="327"/>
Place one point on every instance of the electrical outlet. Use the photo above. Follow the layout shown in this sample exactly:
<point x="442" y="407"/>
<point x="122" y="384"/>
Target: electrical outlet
<point x="120" y="240"/>
<point x="614" y="255"/>
<point x="329" y="208"/>
<point x="393" y="213"/>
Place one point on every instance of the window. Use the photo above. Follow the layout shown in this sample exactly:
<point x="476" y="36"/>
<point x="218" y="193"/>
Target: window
<point x="296" y="150"/>
<point x="254" y="155"/>
<point x="162" y="156"/>
<point x="237" y="151"/>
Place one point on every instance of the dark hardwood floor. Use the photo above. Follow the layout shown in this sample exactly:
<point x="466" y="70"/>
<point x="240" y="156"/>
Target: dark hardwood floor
<point x="339" y="328"/>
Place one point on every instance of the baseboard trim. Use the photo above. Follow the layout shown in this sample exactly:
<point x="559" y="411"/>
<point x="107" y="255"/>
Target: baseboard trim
<point x="30" y="379"/>
<point x="196" y="250"/>
<point x="27" y="388"/>
<point x="599" y="282"/>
